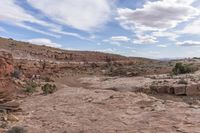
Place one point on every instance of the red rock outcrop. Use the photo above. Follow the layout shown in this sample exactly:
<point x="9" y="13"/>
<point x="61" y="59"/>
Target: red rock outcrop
<point x="6" y="69"/>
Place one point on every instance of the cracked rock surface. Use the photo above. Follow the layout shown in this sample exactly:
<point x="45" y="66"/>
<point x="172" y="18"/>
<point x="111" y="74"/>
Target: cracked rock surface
<point x="76" y="109"/>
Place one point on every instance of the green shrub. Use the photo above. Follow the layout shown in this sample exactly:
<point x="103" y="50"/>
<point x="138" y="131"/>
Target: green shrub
<point x="17" y="130"/>
<point x="30" y="87"/>
<point x="32" y="84"/>
<point x="182" y="69"/>
<point x="48" y="89"/>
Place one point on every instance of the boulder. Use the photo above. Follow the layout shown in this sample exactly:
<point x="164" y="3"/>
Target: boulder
<point x="161" y="88"/>
<point x="179" y="89"/>
<point x="193" y="90"/>
<point x="170" y="90"/>
<point x="12" y="118"/>
<point x="11" y="106"/>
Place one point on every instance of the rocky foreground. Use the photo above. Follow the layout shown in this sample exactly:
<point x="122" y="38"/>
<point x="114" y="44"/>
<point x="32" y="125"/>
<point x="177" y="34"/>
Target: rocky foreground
<point x="111" y="104"/>
<point x="89" y="110"/>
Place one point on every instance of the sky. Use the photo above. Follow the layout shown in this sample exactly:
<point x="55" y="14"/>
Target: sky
<point x="140" y="28"/>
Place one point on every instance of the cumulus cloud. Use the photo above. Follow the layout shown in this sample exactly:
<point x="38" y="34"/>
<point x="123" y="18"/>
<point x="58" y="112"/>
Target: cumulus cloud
<point x="170" y="35"/>
<point x="145" y="39"/>
<point x="189" y="43"/>
<point x="159" y="15"/>
<point x="158" y="19"/>
<point x="44" y="41"/>
<point x="191" y="28"/>
<point x="84" y="15"/>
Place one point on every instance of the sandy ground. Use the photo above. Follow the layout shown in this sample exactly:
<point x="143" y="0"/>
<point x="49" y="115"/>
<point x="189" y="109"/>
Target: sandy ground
<point x="97" y="110"/>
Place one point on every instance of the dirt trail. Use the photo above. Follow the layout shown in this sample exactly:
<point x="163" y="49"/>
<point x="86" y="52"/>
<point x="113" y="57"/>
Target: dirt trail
<point x="80" y="110"/>
<point x="72" y="81"/>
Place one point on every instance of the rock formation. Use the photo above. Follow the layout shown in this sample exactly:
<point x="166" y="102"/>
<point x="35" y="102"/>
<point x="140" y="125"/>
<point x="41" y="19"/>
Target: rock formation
<point x="7" y="87"/>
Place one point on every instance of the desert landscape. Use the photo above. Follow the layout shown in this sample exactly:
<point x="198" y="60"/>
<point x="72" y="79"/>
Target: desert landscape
<point x="99" y="66"/>
<point x="45" y="90"/>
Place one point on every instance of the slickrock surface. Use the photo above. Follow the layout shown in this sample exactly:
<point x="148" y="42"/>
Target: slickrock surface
<point x="76" y="110"/>
<point x="188" y="84"/>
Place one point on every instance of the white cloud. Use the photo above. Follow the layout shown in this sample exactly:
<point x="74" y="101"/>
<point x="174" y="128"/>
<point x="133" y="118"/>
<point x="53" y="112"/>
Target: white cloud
<point x="170" y="35"/>
<point x="191" y="28"/>
<point x="36" y="30"/>
<point x="120" y="39"/>
<point x="44" y="41"/>
<point x="186" y="2"/>
<point x="117" y="40"/>
<point x="111" y="42"/>
<point x="144" y="39"/>
<point x="60" y="31"/>
<point x="189" y="43"/>
<point x="11" y="13"/>
<point x="159" y="19"/>
<point x="84" y="15"/>
<point x="162" y="46"/>
<point x="156" y="16"/>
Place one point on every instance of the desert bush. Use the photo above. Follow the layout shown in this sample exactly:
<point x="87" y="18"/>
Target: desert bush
<point x="16" y="130"/>
<point x="30" y="87"/>
<point x="180" y="68"/>
<point x="48" y="89"/>
<point x="32" y="84"/>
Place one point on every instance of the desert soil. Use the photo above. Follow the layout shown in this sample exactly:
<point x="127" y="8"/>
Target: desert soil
<point x="84" y="105"/>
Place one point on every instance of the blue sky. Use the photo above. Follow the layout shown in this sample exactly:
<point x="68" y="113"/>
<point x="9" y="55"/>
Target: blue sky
<point x="144" y="28"/>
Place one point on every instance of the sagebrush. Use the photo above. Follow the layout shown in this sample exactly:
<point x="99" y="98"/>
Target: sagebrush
<point x="49" y="89"/>
<point x="31" y="87"/>
<point x="181" y="68"/>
